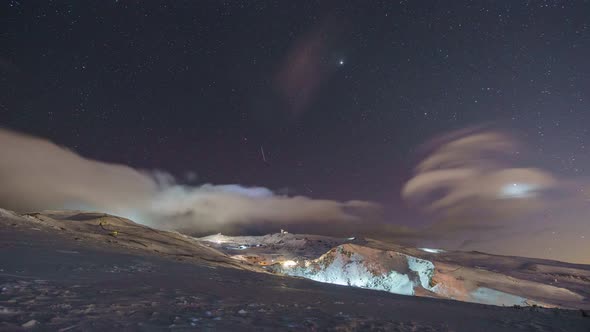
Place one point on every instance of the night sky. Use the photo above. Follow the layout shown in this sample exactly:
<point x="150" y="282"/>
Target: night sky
<point x="340" y="95"/>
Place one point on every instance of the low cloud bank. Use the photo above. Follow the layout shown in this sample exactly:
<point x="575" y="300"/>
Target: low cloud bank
<point x="36" y="174"/>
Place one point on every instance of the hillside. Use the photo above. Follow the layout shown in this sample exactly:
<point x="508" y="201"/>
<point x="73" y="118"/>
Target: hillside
<point x="62" y="271"/>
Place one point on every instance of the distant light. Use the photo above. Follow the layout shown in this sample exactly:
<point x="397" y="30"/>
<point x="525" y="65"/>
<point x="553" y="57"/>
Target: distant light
<point x="518" y="190"/>
<point x="433" y="251"/>
<point x="288" y="264"/>
<point x="341" y="62"/>
<point x="217" y="238"/>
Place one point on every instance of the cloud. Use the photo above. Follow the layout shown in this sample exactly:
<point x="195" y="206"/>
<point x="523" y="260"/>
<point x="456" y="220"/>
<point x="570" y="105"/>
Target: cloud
<point x="473" y="184"/>
<point x="304" y="69"/>
<point x="230" y="207"/>
<point x="37" y="174"/>
<point x="481" y="195"/>
<point x="475" y="168"/>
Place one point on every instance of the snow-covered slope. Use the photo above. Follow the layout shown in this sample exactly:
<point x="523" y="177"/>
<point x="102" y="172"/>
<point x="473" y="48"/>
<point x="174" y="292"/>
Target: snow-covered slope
<point x="464" y="276"/>
<point x="400" y="273"/>
<point x="353" y="266"/>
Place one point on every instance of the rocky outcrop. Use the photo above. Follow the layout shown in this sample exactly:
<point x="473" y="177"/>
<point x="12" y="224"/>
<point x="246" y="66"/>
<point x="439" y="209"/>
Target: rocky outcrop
<point x="400" y="273"/>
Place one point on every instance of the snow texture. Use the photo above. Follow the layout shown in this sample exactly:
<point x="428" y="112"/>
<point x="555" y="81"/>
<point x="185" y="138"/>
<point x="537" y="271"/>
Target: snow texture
<point x="424" y="269"/>
<point x="491" y="296"/>
<point x="432" y="251"/>
<point x="350" y="269"/>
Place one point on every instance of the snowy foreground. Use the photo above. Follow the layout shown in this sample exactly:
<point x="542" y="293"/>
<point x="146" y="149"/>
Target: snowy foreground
<point x="70" y="271"/>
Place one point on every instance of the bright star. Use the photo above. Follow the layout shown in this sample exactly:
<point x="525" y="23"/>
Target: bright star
<point x="341" y="62"/>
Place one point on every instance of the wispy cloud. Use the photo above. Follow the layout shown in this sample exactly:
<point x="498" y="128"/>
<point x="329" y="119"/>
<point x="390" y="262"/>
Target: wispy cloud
<point x="482" y="195"/>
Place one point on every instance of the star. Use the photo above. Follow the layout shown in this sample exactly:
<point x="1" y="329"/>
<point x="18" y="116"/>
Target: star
<point x="341" y="62"/>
